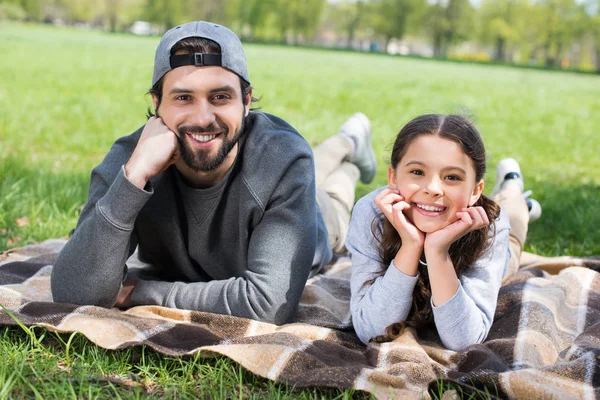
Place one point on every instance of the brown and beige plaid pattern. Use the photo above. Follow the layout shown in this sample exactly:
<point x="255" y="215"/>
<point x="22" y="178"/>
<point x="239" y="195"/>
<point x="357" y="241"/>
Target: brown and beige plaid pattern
<point x="544" y="343"/>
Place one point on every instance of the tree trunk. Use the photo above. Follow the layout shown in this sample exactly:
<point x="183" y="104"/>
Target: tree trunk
<point x="351" y="29"/>
<point x="549" y="59"/>
<point x="558" y="59"/>
<point x="500" y="49"/>
<point x="598" y="59"/>
<point x="112" y="15"/>
<point x="437" y="45"/>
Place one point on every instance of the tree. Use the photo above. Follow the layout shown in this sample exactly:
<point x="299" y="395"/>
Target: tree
<point x="391" y="18"/>
<point x="167" y="13"/>
<point x="502" y="24"/>
<point x="300" y="18"/>
<point x="556" y="24"/>
<point x="348" y="16"/>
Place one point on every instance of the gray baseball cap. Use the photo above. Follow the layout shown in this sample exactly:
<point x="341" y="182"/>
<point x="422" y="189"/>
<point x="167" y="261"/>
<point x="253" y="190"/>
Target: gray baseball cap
<point x="232" y="54"/>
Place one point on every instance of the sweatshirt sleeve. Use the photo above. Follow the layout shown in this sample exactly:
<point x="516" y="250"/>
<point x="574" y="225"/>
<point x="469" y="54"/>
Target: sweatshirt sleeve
<point x="466" y="317"/>
<point x="280" y="254"/>
<point x="388" y="299"/>
<point x="91" y="266"/>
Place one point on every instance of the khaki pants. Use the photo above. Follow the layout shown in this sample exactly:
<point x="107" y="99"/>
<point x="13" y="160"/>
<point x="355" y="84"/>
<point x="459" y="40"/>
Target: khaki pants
<point x="336" y="185"/>
<point x="512" y="201"/>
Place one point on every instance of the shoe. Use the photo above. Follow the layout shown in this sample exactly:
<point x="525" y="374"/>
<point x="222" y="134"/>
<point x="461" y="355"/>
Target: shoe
<point x="535" y="209"/>
<point x="508" y="169"/>
<point x="357" y="129"/>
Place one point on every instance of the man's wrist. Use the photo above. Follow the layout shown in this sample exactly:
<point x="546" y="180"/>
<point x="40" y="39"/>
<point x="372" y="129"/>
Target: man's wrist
<point x="135" y="177"/>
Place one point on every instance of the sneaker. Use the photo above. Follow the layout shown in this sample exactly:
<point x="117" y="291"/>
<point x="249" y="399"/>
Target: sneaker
<point x="535" y="209"/>
<point x="357" y="129"/>
<point x="508" y="169"/>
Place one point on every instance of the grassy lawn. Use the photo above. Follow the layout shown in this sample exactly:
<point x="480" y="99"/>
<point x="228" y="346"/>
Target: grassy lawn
<point x="66" y="95"/>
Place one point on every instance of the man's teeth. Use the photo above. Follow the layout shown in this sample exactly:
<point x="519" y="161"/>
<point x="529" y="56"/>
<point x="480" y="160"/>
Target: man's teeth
<point x="204" y="138"/>
<point x="431" y="208"/>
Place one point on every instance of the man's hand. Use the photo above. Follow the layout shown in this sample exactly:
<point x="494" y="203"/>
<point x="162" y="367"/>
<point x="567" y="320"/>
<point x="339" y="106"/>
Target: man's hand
<point x="392" y="204"/>
<point x="156" y="150"/>
<point x="124" y="297"/>
<point x="469" y="219"/>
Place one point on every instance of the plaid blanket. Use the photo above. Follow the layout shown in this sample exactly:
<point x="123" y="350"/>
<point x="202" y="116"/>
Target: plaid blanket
<point x="544" y="343"/>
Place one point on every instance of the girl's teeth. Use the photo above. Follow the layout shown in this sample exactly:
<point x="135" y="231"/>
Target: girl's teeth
<point x="430" y="208"/>
<point x="204" y="138"/>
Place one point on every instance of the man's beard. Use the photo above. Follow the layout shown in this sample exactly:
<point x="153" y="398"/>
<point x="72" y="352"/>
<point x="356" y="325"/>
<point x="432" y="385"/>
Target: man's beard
<point x="199" y="160"/>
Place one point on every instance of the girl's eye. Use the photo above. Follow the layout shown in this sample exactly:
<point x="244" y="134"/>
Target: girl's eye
<point x="453" y="178"/>
<point x="416" y="172"/>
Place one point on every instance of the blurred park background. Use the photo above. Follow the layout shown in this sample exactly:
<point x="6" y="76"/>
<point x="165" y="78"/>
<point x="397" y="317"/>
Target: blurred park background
<point x="74" y="77"/>
<point x="542" y="33"/>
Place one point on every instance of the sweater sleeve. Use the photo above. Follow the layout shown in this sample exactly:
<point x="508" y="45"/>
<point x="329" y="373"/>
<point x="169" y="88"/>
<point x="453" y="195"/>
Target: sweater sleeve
<point x="91" y="266"/>
<point x="466" y="317"/>
<point x="388" y="299"/>
<point x="280" y="255"/>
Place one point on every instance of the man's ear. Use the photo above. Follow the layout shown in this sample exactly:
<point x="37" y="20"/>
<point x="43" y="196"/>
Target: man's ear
<point x="155" y="102"/>
<point x="477" y="190"/>
<point x="392" y="177"/>
<point x="247" y="101"/>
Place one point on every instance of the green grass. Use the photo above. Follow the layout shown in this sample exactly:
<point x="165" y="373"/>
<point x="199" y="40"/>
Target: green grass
<point x="67" y="94"/>
<point x="52" y="366"/>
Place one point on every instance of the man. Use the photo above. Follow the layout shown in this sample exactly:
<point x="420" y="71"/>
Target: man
<point x="221" y="200"/>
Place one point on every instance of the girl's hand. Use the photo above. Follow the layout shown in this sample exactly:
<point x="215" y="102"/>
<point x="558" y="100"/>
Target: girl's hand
<point x="392" y="204"/>
<point x="469" y="219"/>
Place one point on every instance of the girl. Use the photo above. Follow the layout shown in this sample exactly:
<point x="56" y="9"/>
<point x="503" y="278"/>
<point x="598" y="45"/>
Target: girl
<point x="429" y="248"/>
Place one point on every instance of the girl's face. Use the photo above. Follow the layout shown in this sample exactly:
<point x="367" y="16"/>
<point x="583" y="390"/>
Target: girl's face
<point x="437" y="179"/>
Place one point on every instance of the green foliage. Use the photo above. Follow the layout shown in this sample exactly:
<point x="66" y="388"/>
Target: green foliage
<point x="11" y="12"/>
<point x="392" y="18"/>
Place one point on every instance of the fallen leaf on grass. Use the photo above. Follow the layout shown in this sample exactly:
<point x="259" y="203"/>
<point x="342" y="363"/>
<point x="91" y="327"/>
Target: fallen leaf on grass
<point x="23" y="221"/>
<point x="13" y="240"/>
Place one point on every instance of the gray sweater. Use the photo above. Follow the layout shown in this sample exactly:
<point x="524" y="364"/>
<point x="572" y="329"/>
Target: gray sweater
<point x="244" y="247"/>
<point x="462" y="320"/>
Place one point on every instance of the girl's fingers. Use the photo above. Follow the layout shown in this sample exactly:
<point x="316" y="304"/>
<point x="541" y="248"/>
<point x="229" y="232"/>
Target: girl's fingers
<point x="478" y="216"/>
<point x="398" y="214"/>
<point x="465" y="218"/>
<point x="388" y="195"/>
<point x="386" y="199"/>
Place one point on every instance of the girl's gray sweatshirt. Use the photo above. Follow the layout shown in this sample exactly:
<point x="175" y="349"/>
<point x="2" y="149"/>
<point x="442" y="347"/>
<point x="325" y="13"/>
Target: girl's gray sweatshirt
<point x="462" y="320"/>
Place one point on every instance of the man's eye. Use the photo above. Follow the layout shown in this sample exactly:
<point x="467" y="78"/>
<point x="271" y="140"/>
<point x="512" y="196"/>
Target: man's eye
<point x="221" y="97"/>
<point x="182" y="97"/>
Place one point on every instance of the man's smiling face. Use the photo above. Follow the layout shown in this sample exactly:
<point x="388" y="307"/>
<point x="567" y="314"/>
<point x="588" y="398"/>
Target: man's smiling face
<point x="206" y="108"/>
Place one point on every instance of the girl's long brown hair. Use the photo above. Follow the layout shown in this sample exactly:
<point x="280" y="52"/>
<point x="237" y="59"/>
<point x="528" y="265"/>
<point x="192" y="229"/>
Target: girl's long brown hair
<point x="465" y="251"/>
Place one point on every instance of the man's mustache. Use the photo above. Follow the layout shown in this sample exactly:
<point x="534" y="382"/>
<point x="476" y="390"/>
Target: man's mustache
<point x="212" y="129"/>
